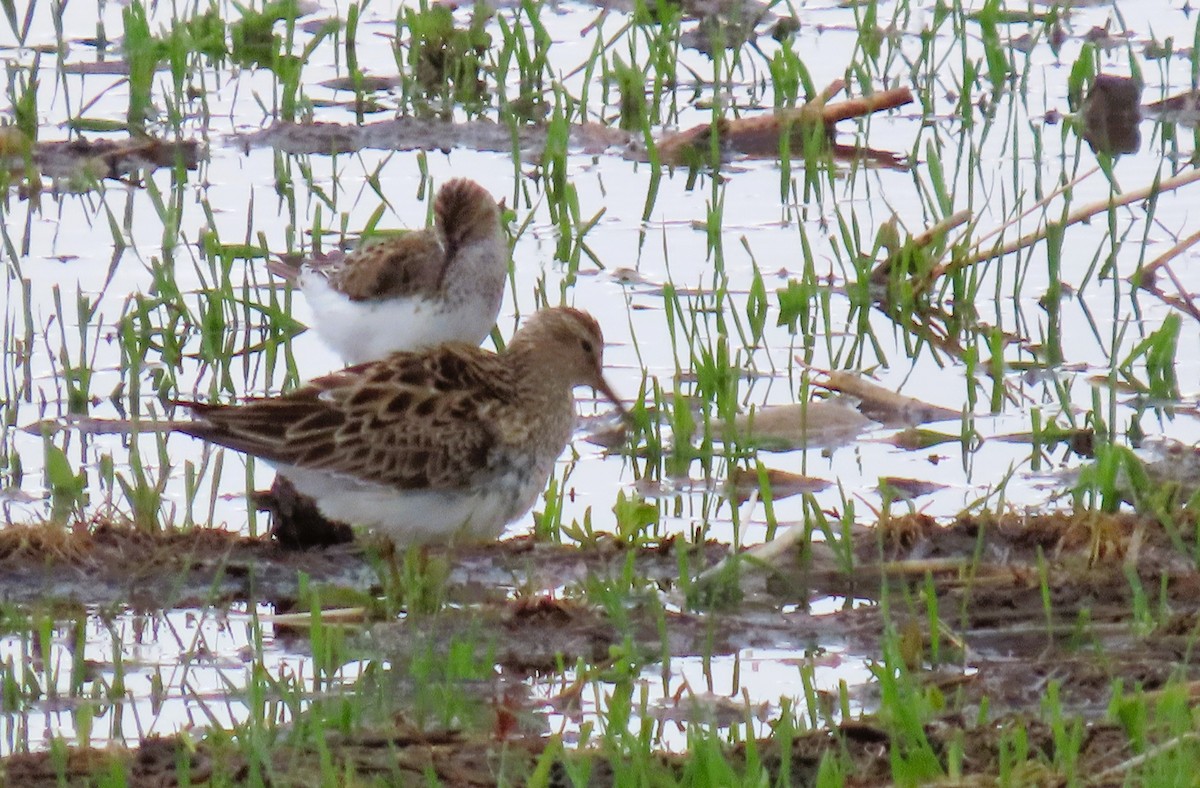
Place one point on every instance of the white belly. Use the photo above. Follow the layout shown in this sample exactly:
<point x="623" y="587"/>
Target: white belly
<point x="419" y="516"/>
<point x="361" y="331"/>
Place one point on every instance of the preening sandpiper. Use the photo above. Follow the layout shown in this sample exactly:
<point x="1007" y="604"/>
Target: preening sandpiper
<point x="416" y="290"/>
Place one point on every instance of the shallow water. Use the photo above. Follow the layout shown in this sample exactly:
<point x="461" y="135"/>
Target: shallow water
<point x="122" y="678"/>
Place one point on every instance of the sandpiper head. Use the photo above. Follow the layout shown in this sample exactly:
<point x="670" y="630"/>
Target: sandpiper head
<point x="571" y="344"/>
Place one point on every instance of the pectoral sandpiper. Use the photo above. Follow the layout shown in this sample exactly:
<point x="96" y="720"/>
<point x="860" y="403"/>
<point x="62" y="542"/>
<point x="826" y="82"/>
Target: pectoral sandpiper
<point x="452" y="443"/>
<point x="416" y="290"/>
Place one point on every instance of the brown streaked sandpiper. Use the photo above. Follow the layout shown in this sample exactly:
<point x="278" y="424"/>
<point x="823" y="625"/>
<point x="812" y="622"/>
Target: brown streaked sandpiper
<point x="413" y="291"/>
<point x="451" y="443"/>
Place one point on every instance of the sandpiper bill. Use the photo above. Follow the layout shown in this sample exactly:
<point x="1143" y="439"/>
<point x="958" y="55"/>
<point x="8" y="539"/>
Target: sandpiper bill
<point x="416" y="290"/>
<point x="448" y="444"/>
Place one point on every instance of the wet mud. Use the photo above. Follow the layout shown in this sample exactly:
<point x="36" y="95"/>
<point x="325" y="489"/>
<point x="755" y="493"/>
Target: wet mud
<point x="1021" y="603"/>
<point x="403" y="757"/>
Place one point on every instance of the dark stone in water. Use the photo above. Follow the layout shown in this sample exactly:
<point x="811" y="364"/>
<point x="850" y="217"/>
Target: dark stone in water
<point x="296" y="522"/>
<point x="1111" y="113"/>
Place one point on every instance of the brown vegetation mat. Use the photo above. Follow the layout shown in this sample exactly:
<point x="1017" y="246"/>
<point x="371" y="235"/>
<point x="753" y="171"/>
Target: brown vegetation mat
<point x="1083" y="601"/>
<point x="82" y="159"/>
<point x="207" y="566"/>
<point x="410" y="758"/>
<point x="754" y="137"/>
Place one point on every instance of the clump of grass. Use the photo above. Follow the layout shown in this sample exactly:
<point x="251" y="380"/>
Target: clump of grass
<point x="250" y="41"/>
<point x="524" y="41"/>
<point x="445" y="61"/>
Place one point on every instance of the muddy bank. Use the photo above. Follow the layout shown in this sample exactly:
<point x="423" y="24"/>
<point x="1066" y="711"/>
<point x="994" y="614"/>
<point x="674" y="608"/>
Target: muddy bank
<point x="989" y="615"/>
<point x="403" y="757"/>
<point x="993" y="608"/>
